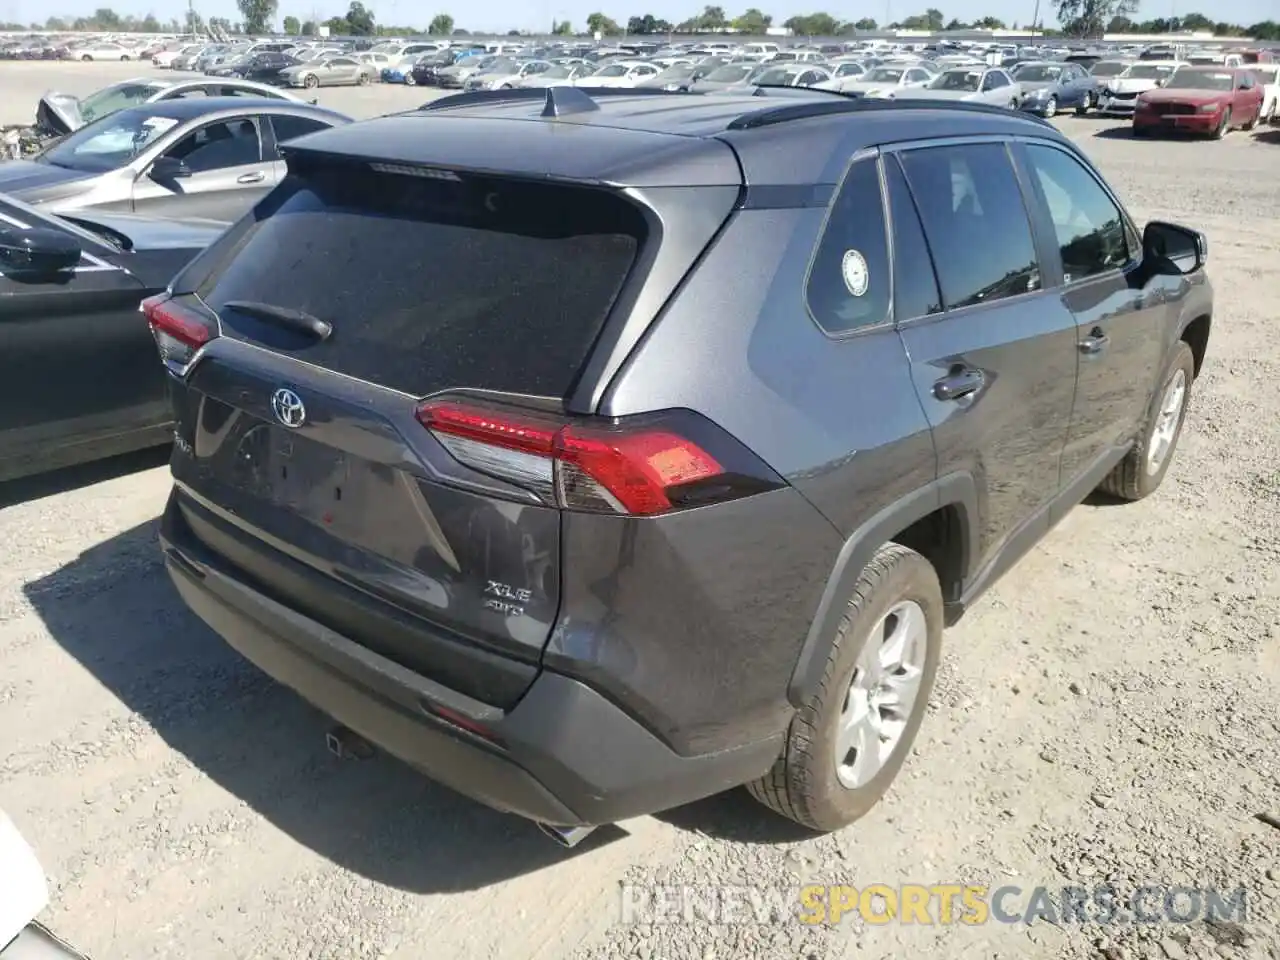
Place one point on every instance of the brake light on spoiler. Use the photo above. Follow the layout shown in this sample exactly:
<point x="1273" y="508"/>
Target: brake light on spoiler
<point x="637" y="466"/>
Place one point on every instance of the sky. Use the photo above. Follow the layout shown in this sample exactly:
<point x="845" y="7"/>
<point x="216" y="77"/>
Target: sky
<point x="505" y="15"/>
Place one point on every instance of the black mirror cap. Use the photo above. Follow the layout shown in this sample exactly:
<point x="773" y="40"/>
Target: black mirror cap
<point x="38" y="251"/>
<point x="169" y="168"/>
<point x="1186" y="249"/>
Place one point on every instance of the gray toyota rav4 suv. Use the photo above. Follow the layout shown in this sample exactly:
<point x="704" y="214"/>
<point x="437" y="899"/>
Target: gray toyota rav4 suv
<point x="597" y="451"/>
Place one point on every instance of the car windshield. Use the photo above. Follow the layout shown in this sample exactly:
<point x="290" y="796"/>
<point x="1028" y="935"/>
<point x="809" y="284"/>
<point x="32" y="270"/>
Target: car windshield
<point x="1108" y="68"/>
<point x="849" y="69"/>
<point x="1147" y="71"/>
<point x="109" y="143"/>
<point x="777" y="76"/>
<point x="500" y="65"/>
<point x="1202" y="80"/>
<point x="612" y="70"/>
<point x="1038" y="73"/>
<point x="733" y="73"/>
<point x="106" y="101"/>
<point x="557" y="72"/>
<point x="884" y="75"/>
<point x="966" y="80"/>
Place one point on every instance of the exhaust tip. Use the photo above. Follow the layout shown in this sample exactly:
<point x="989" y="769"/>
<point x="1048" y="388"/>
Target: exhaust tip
<point x="567" y="837"/>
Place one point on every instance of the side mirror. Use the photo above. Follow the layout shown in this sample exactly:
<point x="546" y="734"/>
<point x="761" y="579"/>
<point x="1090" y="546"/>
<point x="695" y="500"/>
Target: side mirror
<point x="40" y="251"/>
<point x="169" y="168"/>
<point x="1183" y="249"/>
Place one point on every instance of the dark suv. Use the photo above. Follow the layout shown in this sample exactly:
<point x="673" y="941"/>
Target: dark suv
<point x="599" y="455"/>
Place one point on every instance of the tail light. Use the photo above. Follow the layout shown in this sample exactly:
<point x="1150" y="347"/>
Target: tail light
<point x="634" y="466"/>
<point x="179" y="331"/>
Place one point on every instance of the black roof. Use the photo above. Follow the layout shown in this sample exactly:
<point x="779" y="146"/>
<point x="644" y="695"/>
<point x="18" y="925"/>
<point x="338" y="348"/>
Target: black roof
<point x="189" y="108"/>
<point x="650" y="138"/>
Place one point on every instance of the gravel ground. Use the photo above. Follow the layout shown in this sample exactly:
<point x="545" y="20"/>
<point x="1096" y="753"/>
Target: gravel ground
<point x="1107" y="715"/>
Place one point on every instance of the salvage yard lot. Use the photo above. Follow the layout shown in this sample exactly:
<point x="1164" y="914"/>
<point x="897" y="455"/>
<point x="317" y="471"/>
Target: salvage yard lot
<point x="1109" y="712"/>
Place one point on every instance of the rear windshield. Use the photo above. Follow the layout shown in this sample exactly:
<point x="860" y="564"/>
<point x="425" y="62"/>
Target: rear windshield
<point x="429" y="283"/>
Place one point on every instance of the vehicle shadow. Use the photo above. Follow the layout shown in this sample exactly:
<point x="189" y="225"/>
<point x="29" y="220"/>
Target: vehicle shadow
<point x="1117" y="133"/>
<point x="114" y="610"/>
<point x="1271" y="135"/>
<point x="737" y="817"/>
<point x="39" y="486"/>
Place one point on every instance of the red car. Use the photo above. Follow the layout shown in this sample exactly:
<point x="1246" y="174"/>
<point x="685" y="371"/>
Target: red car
<point x="1209" y="100"/>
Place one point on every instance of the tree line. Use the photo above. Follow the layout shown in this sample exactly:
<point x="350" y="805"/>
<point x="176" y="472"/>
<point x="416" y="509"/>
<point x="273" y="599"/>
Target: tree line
<point x="1077" y="18"/>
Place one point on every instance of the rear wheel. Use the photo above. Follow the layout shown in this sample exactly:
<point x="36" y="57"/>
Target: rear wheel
<point x="1254" y="122"/>
<point x="1139" y="474"/>
<point x="311" y="81"/>
<point x="1051" y="108"/>
<point x="1088" y="104"/>
<point x="409" y="81"/>
<point x="846" y="745"/>
<point x="363" y="79"/>
<point x="86" y="58"/>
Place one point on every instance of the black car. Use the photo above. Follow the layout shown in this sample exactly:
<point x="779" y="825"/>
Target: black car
<point x="82" y="377"/>
<point x="667" y="468"/>
<point x="426" y="72"/>
<point x="266" y="67"/>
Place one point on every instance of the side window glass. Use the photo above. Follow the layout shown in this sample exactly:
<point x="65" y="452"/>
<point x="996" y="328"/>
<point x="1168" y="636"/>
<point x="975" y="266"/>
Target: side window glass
<point x="1089" y="227"/>
<point x="965" y="193"/>
<point x="848" y="283"/>
<point x="915" y="286"/>
<point x="218" y="146"/>
<point x="287" y="127"/>
<point x="192" y="94"/>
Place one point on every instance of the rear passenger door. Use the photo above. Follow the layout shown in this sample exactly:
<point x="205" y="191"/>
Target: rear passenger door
<point x="1120" y="308"/>
<point x="993" y="355"/>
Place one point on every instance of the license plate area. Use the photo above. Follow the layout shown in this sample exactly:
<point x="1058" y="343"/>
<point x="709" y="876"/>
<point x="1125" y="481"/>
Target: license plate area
<point x="291" y="471"/>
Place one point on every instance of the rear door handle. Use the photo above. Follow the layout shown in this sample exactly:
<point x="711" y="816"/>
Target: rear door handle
<point x="1095" y="342"/>
<point x="256" y="177"/>
<point x="961" y="383"/>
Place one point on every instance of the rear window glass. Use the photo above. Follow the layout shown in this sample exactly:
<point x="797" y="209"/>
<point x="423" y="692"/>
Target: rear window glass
<point x="430" y="283"/>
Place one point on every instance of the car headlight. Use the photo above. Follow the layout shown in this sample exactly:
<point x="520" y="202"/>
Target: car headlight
<point x="1209" y="107"/>
<point x="1107" y="92"/>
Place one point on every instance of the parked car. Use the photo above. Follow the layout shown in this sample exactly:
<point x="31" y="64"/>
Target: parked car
<point x="427" y="70"/>
<point x="1120" y="94"/>
<point x="64" y="113"/>
<point x="798" y="74"/>
<point x="990" y="85"/>
<point x="166" y="58"/>
<point x="506" y="74"/>
<point x="208" y="157"/>
<point x="188" y="61"/>
<point x="265" y="68"/>
<point x="69" y="293"/>
<point x="401" y="70"/>
<point x="1048" y="87"/>
<point x="678" y="77"/>
<point x="1208" y="100"/>
<point x="622" y="73"/>
<point x="880" y="81"/>
<point x="457" y="74"/>
<point x="731" y="75"/>
<point x="516" y="535"/>
<point x="104" y="50"/>
<point x="1268" y="77"/>
<point x="334" y="72"/>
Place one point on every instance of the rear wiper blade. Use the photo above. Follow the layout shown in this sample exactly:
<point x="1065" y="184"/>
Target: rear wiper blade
<point x="285" y="317"/>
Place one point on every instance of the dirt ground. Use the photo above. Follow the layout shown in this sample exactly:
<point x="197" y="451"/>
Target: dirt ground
<point x="1109" y="714"/>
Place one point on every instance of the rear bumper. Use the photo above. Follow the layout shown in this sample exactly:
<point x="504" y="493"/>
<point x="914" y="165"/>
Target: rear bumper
<point x="563" y="754"/>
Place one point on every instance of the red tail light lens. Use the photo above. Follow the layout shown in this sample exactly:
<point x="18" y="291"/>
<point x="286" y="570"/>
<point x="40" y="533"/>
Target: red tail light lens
<point x="179" y="332"/>
<point x="642" y="467"/>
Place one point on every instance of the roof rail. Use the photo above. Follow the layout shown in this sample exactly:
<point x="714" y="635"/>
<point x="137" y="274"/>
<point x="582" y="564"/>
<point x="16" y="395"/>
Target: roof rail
<point x="517" y="94"/>
<point x="826" y="107"/>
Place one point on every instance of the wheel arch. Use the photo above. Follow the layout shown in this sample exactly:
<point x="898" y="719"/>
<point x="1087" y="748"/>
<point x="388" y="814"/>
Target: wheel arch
<point x="939" y="521"/>
<point x="1195" y="334"/>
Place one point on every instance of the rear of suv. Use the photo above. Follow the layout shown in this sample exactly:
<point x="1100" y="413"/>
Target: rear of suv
<point x="600" y="454"/>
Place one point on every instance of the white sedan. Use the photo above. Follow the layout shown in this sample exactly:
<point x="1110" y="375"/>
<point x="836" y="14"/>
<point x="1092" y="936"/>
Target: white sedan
<point x="104" y="50"/>
<point x="880" y="81"/>
<point x="621" y="73"/>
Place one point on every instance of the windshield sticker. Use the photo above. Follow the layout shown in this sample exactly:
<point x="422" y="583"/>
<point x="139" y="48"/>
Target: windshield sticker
<point x="1221" y="76"/>
<point x="854" y="269"/>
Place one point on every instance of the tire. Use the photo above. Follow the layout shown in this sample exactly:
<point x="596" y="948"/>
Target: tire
<point x="1224" y="125"/>
<point x="311" y="81"/>
<point x="1085" y="107"/>
<point x="1051" y="108"/>
<point x="1135" y="477"/>
<point x="409" y="81"/>
<point x="362" y="80"/>
<point x="1254" y="122"/>
<point x="86" y="59"/>
<point x="805" y="785"/>
<point x="125" y="58"/>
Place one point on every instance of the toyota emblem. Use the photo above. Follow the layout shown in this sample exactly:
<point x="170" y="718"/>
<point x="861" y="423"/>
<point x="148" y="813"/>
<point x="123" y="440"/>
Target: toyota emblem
<point x="288" y="408"/>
